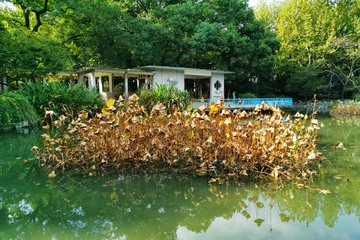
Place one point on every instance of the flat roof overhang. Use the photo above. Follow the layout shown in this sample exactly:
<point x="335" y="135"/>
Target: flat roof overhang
<point x="192" y="73"/>
<point x="106" y="71"/>
<point x="189" y="71"/>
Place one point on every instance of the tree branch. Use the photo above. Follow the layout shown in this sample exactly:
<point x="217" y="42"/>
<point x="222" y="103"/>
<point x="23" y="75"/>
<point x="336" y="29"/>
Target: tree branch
<point x="38" y="14"/>
<point x="17" y="21"/>
<point x="73" y="37"/>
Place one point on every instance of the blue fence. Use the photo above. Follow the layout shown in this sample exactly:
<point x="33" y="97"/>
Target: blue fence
<point x="246" y="102"/>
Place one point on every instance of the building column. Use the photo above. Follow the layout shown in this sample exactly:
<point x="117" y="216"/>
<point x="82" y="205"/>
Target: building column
<point x="44" y="80"/>
<point x="111" y="88"/>
<point x="100" y="85"/>
<point x="126" y="85"/>
<point x="81" y="79"/>
<point x="4" y="84"/>
<point x="92" y="80"/>
<point x="71" y="79"/>
<point x="211" y="87"/>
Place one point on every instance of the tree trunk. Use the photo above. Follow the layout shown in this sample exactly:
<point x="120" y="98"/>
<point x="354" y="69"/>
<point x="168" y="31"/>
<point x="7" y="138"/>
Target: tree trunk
<point x="343" y="91"/>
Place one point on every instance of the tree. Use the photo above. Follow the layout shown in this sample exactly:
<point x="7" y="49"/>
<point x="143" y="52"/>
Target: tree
<point x="345" y="67"/>
<point x="106" y="33"/>
<point x="305" y="82"/>
<point x="307" y="29"/>
<point x="28" y="51"/>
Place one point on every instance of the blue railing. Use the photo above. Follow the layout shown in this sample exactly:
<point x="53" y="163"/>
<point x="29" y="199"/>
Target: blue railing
<point x="246" y="102"/>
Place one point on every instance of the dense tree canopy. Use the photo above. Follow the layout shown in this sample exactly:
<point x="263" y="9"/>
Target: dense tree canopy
<point x="310" y="33"/>
<point x="51" y="35"/>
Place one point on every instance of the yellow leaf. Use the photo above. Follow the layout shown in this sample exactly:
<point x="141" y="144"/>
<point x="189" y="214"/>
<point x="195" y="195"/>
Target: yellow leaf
<point x="84" y="116"/>
<point x="113" y="196"/>
<point x="190" y="134"/>
<point x="214" y="109"/>
<point x="221" y="123"/>
<point x="110" y="102"/>
<point x="189" y="107"/>
<point x="104" y="111"/>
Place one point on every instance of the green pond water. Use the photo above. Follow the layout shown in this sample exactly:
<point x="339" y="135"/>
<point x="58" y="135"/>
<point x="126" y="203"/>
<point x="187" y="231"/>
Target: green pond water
<point x="165" y="206"/>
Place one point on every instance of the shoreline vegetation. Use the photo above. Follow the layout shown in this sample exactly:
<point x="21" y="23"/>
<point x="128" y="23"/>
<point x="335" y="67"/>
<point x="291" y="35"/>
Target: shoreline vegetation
<point x="16" y="112"/>
<point x="209" y="141"/>
<point x="351" y="107"/>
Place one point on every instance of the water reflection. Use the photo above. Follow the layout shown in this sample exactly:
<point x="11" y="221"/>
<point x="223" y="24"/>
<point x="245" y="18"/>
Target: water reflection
<point x="160" y="206"/>
<point x="168" y="206"/>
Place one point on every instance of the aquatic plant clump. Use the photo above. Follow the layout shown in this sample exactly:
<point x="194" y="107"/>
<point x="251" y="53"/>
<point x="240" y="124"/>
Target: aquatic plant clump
<point x="206" y="141"/>
<point x="346" y="108"/>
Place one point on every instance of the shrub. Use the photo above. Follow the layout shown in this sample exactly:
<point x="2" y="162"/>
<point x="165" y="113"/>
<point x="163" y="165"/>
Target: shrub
<point x="15" y="108"/>
<point x="166" y="94"/>
<point x="270" y="95"/>
<point x="61" y="98"/>
<point x="247" y="95"/>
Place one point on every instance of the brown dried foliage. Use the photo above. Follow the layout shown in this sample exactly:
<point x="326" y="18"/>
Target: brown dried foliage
<point x="207" y="141"/>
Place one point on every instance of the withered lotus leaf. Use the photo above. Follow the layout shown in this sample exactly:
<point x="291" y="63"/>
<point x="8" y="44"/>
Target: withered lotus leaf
<point x="341" y="146"/>
<point x="133" y="98"/>
<point x="232" y="144"/>
<point x="34" y="148"/>
<point x="52" y="174"/>
<point x="49" y="114"/>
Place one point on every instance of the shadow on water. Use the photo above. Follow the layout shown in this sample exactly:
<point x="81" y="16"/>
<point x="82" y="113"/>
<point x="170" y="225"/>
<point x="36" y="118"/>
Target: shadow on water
<point x="167" y="206"/>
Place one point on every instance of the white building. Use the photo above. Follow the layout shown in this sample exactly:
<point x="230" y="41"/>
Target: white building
<point x="111" y="81"/>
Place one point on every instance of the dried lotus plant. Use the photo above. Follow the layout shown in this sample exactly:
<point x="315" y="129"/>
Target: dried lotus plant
<point x="210" y="140"/>
<point x="351" y="107"/>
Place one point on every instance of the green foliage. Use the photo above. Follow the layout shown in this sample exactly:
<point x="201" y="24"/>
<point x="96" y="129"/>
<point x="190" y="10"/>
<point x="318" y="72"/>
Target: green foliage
<point x="247" y="95"/>
<point x="54" y="35"/>
<point x="304" y="82"/>
<point x="169" y="95"/>
<point x="311" y="33"/>
<point x="357" y="97"/>
<point x="146" y="97"/>
<point x="27" y="55"/>
<point x="270" y="95"/>
<point x="119" y="88"/>
<point x="15" y="108"/>
<point x="60" y="98"/>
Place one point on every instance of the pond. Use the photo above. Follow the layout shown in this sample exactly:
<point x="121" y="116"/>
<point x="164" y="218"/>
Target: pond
<point x="166" y="206"/>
